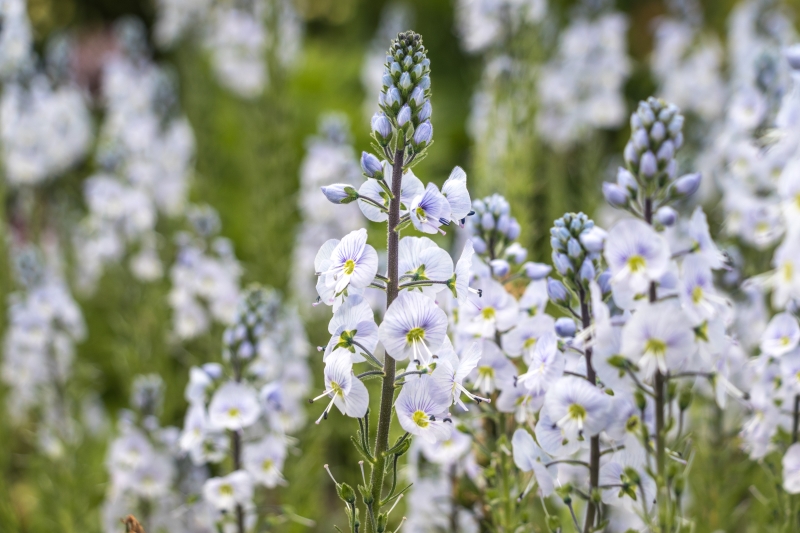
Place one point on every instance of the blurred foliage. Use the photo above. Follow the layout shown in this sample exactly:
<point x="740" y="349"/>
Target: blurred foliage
<point x="248" y="155"/>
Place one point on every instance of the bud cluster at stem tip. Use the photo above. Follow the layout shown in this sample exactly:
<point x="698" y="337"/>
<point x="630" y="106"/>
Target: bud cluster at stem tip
<point x="257" y="309"/>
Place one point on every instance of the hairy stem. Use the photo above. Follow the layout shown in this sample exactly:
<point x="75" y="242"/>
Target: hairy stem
<point x="594" y="446"/>
<point x="387" y="389"/>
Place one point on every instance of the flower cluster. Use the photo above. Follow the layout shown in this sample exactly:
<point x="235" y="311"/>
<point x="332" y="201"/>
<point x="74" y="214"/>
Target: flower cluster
<point x="580" y="89"/>
<point x="16" y="39"/>
<point x="237" y="36"/>
<point x="244" y="408"/>
<point x="205" y="276"/>
<point x="486" y="24"/>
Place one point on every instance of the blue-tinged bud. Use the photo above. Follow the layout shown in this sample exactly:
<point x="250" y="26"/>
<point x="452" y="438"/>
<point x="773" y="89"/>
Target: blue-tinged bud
<point x="408" y="62"/>
<point x="562" y="263"/>
<point x="646" y="114"/>
<point x="574" y="248"/>
<point x="604" y="281"/>
<point x="666" y="152"/>
<point x="792" y="55"/>
<point x="686" y="185"/>
<point x="563" y="233"/>
<point x="640" y="140"/>
<point x="423" y="135"/>
<point x="340" y="193"/>
<point x="393" y="98"/>
<point x="395" y="69"/>
<point x="502" y="223"/>
<point x="479" y="206"/>
<point x="500" y="267"/>
<point x="675" y="125"/>
<point x="626" y="180"/>
<point x="536" y="271"/>
<point x="630" y="154"/>
<point x="666" y="216"/>
<point x="636" y="122"/>
<point x="424" y="82"/>
<point x="425" y="112"/>
<point x="648" y="167"/>
<point x="557" y="244"/>
<point x="576" y="224"/>
<point x="371" y="166"/>
<point x="557" y="292"/>
<point x="405" y="82"/>
<point x="565" y="327"/>
<point x="417" y="97"/>
<point x="479" y="245"/>
<point x="672" y="170"/>
<point x="559" y="223"/>
<point x="416" y="72"/>
<point x="487" y="221"/>
<point x="678" y="140"/>
<point x="214" y="370"/>
<point x="387" y="80"/>
<point x="615" y="195"/>
<point x="382" y="126"/>
<point x="516" y="253"/>
<point x="658" y="132"/>
<point x="245" y="350"/>
<point x="666" y="114"/>
<point x="587" y="271"/>
<point x="404" y="116"/>
<point x="513" y="229"/>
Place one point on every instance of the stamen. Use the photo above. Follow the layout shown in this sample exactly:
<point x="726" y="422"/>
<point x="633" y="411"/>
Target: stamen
<point x="395" y="503"/>
<point x="325" y="466"/>
<point x="363" y="477"/>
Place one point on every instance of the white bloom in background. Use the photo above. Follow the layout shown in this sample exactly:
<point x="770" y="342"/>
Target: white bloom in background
<point x="791" y="469"/>
<point x="346" y="391"/>
<point x="16" y="38"/>
<point x="523" y="339"/>
<point x="529" y="457"/>
<point x="545" y="366"/>
<point x="577" y="407"/>
<point x="781" y="336"/>
<point x="446" y="452"/>
<point x="264" y="459"/>
<point x="494" y="371"/>
<point x="553" y="438"/>
<point x="658" y="337"/>
<point x="637" y="255"/>
<point x="422" y="409"/>
<point x="451" y="370"/>
<point x="234" y="406"/>
<point x="697" y="293"/>
<point x="413" y="327"/>
<point x="463" y="271"/>
<point x="703" y="244"/>
<point x="225" y="493"/>
<point x="494" y="310"/>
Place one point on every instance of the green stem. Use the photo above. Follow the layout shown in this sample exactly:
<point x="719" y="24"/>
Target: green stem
<point x="387" y="389"/>
<point x="592" y="509"/>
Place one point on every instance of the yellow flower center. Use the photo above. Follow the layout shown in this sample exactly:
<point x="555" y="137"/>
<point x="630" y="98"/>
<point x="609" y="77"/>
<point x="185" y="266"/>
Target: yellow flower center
<point x="529" y="343"/>
<point x="421" y="213"/>
<point x="485" y="371"/>
<point x="577" y="412"/>
<point x="785" y="340"/>
<point x="349" y="266"/>
<point x="420" y="419"/>
<point x="233" y="412"/>
<point x="636" y="263"/>
<point x="488" y="313"/>
<point x="697" y="294"/>
<point x="226" y="490"/>
<point x="415" y="334"/>
<point x="336" y="389"/>
<point x="656" y="347"/>
<point x="788" y="271"/>
<point x="267" y="464"/>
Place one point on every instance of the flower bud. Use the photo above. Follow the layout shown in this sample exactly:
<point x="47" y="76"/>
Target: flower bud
<point x="417" y="97"/>
<point x="574" y="248"/>
<point x="666" y="216"/>
<point x="587" y="271"/>
<point x="626" y="180"/>
<point x="594" y="239"/>
<point x="536" y="271"/>
<point x="565" y="327"/>
<point x="648" y="166"/>
<point x="404" y="116"/>
<point x="371" y="166"/>
<point x="604" y="281"/>
<point x="340" y="193"/>
<point x="404" y="82"/>
<point x="666" y="152"/>
<point x="658" y="132"/>
<point x="423" y="135"/>
<point x="513" y="230"/>
<point x="562" y="263"/>
<point x="640" y="140"/>
<point x="557" y="292"/>
<point x="381" y="126"/>
<point x="479" y="245"/>
<point x="393" y="98"/>
<point x="214" y="370"/>
<point x="487" y="221"/>
<point x="792" y="54"/>
<point x="615" y="195"/>
<point x="500" y="267"/>
<point x="502" y="223"/>
<point x="646" y="114"/>
<point x="686" y="185"/>
<point x="630" y="154"/>
<point x="425" y="112"/>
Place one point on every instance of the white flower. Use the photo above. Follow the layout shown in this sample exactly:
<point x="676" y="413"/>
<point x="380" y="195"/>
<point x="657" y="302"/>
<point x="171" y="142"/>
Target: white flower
<point x="346" y="391"/>
<point x="463" y="272"/>
<point x="451" y="370"/>
<point x="234" y="406"/>
<point x="577" y="407"/>
<point x="264" y="461"/>
<point x="411" y="187"/>
<point x="704" y="245"/>
<point x="352" y="263"/>
<point x="413" y="326"/>
<point x="353" y="327"/>
<point x="529" y="457"/>
<point x="494" y="310"/>
<point x="658" y="337"/>
<point x="225" y="493"/>
<point x="791" y="469"/>
<point x="636" y="255"/>
<point x="494" y="370"/>
<point x="421" y="409"/>
<point x="457" y="195"/>
<point x="697" y="293"/>
<point x="781" y="336"/>
<point x="545" y="368"/>
<point x="554" y="439"/>
<point x="429" y="209"/>
<point x="446" y="452"/>
<point x="422" y="260"/>
<point x="523" y="339"/>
